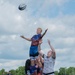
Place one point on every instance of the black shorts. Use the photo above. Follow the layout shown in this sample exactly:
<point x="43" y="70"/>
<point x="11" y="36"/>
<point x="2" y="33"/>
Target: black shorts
<point x="35" y="56"/>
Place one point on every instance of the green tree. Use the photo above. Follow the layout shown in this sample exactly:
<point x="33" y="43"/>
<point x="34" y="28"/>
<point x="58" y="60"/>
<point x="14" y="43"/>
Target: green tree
<point x="20" y="71"/>
<point x="62" y="71"/>
<point x="2" y="71"/>
<point x="56" y="72"/>
<point x="13" y="72"/>
<point x="70" y="71"/>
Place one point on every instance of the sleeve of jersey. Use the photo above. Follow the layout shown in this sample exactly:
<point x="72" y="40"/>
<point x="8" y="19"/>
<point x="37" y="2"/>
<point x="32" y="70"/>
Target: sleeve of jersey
<point x="32" y="37"/>
<point x="44" y="56"/>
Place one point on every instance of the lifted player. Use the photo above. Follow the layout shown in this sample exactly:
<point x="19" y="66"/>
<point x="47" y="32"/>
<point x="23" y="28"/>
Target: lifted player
<point x="33" y="53"/>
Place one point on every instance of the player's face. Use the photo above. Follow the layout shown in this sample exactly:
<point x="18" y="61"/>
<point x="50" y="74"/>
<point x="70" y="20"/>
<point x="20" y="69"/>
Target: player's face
<point x="49" y="53"/>
<point x="39" y="31"/>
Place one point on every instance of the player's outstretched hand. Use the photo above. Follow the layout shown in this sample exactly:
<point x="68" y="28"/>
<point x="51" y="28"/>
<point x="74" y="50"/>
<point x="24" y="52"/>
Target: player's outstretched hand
<point x="46" y="29"/>
<point x="22" y="36"/>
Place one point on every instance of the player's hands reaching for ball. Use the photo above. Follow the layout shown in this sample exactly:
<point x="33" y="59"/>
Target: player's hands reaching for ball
<point x="46" y="30"/>
<point x="49" y="42"/>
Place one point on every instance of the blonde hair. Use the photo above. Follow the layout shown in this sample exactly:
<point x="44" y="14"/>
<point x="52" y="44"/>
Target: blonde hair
<point x="40" y="29"/>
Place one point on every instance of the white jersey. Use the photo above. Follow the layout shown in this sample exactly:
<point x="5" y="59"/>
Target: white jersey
<point x="48" y="65"/>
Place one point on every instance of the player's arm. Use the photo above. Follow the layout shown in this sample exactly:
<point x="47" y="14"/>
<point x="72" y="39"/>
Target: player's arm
<point x="41" y="60"/>
<point x="39" y="48"/>
<point x="44" y="33"/>
<point x="53" y="50"/>
<point x="39" y="63"/>
<point x="28" y="39"/>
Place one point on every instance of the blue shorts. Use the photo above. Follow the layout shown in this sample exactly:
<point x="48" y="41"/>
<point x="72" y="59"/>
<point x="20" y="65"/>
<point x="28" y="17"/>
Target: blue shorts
<point x="33" y="51"/>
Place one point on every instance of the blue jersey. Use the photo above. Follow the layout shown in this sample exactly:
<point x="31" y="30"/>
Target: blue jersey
<point x="34" y="48"/>
<point x="32" y="69"/>
<point x="36" y="37"/>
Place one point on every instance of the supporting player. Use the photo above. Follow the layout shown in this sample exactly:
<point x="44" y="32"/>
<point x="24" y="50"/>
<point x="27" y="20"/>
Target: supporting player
<point x="49" y="60"/>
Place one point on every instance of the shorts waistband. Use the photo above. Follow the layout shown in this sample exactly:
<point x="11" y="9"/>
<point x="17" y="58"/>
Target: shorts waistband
<point x="48" y="73"/>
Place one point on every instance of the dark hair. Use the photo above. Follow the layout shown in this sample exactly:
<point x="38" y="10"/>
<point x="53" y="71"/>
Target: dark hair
<point x="27" y="65"/>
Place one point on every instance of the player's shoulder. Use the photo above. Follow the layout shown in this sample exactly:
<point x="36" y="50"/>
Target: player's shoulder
<point x="52" y="58"/>
<point x="37" y="34"/>
<point x="33" y="36"/>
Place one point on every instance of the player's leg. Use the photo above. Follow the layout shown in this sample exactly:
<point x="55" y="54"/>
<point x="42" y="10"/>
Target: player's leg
<point x="32" y="67"/>
<point x="32" y="61"/>
<point x="34" y="53"/>
<point x="36" y="62"/>
<point x="40" y="66"/>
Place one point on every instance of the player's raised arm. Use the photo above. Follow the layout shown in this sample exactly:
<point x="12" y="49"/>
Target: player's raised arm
<point x="28" y="39"/>
<point x="39" y="48"/>
<point x="53" y="50"/>
<point x="44" y="33"/>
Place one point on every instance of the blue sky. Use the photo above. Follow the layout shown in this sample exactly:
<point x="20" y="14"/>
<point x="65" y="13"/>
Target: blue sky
<point x="56" y="15"/>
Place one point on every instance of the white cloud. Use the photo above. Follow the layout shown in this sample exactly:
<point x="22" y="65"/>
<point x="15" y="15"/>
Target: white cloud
<point x="11" y="64"/>
<point x="61" y="2"/>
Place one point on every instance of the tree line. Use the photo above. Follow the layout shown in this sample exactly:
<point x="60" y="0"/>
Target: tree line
<point x="21" y="71"/>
